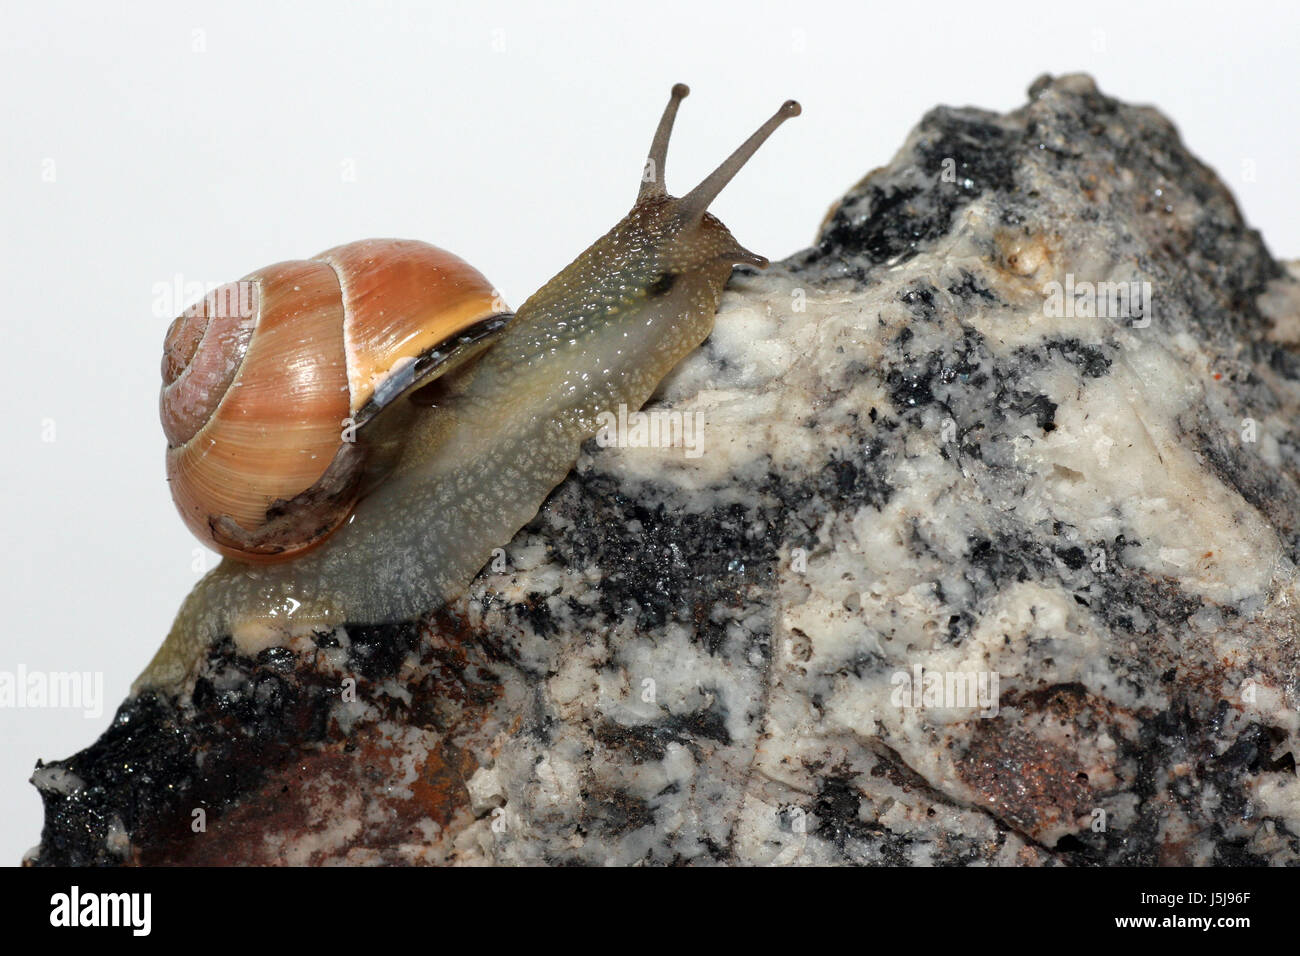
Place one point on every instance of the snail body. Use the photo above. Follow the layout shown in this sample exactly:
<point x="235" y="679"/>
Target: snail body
<point x="519" y="398"/>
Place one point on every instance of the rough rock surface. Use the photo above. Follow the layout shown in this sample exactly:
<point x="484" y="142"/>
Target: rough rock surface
<point x="912" y="459"/>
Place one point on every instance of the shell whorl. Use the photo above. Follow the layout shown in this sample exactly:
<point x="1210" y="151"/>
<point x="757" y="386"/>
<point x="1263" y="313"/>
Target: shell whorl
<point x="256" y="398"/>
<point x="201" y="354"/>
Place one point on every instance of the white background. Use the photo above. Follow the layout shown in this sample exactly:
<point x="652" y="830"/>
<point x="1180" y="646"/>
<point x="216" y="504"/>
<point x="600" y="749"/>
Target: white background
<point x="209" y="141"/>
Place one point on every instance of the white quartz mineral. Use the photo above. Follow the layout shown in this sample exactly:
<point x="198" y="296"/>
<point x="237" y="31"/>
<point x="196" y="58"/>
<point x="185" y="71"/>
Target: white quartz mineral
<point x="982" y="549"/>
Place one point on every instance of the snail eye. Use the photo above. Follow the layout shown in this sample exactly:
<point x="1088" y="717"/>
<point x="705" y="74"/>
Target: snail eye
<point x="662" y="284"/>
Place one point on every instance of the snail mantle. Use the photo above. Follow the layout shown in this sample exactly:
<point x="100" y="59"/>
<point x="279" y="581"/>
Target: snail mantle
<point x="988" y="555"/>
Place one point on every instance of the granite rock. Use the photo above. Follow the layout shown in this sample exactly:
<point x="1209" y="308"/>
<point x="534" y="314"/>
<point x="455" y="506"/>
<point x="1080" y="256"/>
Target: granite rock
<point x="985" y="553"/>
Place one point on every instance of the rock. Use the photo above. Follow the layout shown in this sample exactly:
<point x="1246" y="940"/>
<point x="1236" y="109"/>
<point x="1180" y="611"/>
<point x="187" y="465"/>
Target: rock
<point x="1021" y="422"/>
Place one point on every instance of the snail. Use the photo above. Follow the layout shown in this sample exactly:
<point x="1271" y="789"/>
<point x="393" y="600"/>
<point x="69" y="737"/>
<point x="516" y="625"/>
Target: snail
<point x="392" y="423"/>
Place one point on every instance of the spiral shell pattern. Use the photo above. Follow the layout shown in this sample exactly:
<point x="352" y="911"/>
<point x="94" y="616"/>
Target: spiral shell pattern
<point x="261" y="378"/>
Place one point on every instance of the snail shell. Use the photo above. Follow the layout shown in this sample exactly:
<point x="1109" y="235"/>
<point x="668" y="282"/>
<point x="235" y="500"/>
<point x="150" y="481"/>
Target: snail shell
<point x="282" y="412"/>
